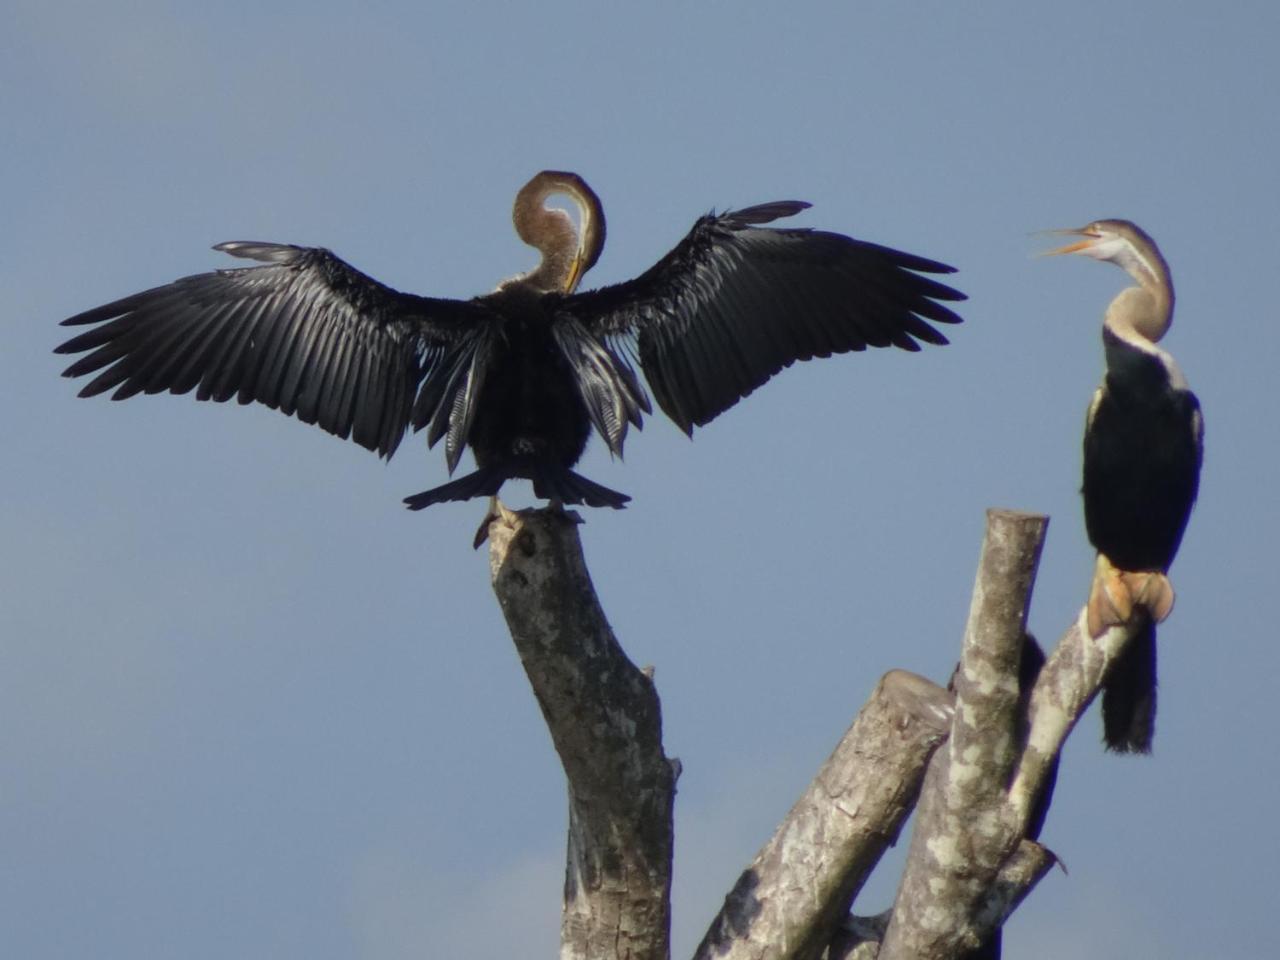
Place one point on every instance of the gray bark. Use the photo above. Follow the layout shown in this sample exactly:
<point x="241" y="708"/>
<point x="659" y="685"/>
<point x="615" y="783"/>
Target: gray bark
<point x="859" y="938"/>
<point x="801" y="884"/>
<point x="606" y="724"/>
<point x="964" y="830"/>
<point x="1069" y="681"/>
<point x="970" y="862"/>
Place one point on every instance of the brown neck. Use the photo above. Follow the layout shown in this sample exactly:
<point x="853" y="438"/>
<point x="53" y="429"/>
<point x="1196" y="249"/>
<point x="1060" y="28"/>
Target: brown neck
<point x="552" y="232"/>
<point x="1147" y="309"/>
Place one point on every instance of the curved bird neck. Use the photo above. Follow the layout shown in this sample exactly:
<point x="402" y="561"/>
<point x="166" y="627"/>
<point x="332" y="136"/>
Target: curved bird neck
<point x="567" y="253"/>
<point x="552" y="233"/>
<point x="1140" y="316"/>
<point x="1144" y="312"/>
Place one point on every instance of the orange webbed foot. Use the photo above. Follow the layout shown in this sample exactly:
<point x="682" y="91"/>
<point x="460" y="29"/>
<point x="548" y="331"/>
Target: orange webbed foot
<point x="1110" y="601"/>
<point x="1152" y="590"/>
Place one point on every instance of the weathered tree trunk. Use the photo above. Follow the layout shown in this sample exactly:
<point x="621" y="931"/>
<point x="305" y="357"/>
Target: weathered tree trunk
<point x="799" y="887"/>
<point x="963" y="831"/>
<point x="981" y="796"/>
<point x="606" y="723"/>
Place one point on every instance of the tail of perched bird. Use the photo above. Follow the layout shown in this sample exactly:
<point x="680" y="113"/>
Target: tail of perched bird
<point x="550" y="482"/>
<point x="1129" y="693"/>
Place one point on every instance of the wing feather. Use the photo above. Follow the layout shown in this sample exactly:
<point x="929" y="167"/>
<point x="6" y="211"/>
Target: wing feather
<point x="605" y="381"/>
<point x="304" y="333"/>
<point x="735" y="302"/>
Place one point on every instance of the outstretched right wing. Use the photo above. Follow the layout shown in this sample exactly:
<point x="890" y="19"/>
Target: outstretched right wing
<point x="306" y="334"/>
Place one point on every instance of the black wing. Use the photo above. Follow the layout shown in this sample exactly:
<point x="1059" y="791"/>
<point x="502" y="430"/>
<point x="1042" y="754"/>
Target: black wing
<point x="606" y="382"/>
<point x="734" y="303"/>
<point x="308" y="335"/>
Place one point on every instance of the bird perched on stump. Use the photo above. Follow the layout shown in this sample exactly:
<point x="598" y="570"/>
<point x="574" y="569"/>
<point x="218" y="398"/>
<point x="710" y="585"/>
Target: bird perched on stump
<point x="1143" y="446"/>
<point x="523" y="374"/>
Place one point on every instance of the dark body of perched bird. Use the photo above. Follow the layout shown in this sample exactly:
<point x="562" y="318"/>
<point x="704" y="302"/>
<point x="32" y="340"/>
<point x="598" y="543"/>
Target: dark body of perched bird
<point x="1142" y="451"/>
<point x="522" y="374"/>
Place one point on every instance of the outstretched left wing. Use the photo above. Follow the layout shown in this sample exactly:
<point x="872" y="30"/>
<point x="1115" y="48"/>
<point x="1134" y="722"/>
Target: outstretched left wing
<point x="735" y="302"/>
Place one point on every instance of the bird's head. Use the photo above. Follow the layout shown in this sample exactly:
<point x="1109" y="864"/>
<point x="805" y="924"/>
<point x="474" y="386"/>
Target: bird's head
<point x="568" y="252"/>
<point x="1121" y="242"/>
<point x="1147" y="308"/>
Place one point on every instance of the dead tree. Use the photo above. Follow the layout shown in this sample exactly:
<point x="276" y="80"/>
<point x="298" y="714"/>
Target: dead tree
<point x="976" y="763"/>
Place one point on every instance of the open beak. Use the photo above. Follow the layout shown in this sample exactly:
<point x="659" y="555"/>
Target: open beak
<point x="1090" y="238"/>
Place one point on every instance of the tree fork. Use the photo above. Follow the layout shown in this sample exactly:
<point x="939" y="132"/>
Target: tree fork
<point x="970" y="862"/>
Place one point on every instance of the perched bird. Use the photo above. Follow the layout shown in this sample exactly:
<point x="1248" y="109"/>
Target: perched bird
<point x="523" y="374"/>
<point x="1143" y="445"/>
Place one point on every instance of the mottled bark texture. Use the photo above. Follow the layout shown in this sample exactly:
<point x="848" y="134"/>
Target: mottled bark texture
<point x="606" y="723"/>
<point x="801" y="884"/>
<point x="970" y="862"/>
<point x="1068" y="682"/>
<point x="982" y="796"/>
<point x="963" y="830"/>
<point x="859" y="938"/>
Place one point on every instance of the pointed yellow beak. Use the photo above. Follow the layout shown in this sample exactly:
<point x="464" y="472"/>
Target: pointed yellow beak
<point x="575" y="272"/>
<point x="1090" y="238"/>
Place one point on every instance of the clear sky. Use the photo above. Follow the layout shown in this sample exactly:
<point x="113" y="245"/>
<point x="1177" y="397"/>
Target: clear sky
<point x="251" y="707"/>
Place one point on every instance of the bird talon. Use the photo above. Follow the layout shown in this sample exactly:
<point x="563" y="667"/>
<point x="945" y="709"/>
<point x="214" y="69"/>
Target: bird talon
<point x="556" y="505"/>
<point x="482" y="532"/>
<point x="495" y="512"/>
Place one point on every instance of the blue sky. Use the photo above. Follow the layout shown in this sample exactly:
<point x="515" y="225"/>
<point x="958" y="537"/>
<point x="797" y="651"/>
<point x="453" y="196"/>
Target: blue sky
<point x="251" y="707"/>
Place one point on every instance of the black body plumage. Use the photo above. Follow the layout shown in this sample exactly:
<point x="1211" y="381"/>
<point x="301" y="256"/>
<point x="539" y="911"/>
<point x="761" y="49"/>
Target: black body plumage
<point x="1141" y="460"/>
<point x="521" y="375"/>
<point x="1142" y="455"/>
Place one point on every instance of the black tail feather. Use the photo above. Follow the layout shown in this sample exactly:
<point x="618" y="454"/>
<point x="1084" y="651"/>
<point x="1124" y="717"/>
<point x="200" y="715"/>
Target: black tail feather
<point x="553" y="482"/>
<point x="1129" y="695"/>
<point x="483" y="483"/>
<point x="550" y="481"/>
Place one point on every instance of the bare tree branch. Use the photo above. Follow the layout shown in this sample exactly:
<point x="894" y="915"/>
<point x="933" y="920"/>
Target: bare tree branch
<point x="969" y="864"/>
<point x="800" y="885"/>
<point x="1017" y="875"/>
<point x="860" y="937"/>
<point x="1069" y="681"/>
<point x="964" y="830"/>
<point x="970" y="861"/>
<point x="606" y="723"/>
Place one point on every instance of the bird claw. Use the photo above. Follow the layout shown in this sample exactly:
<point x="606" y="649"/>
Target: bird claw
<point x="482" y="532"/>
<point x="495" y="511"/>
<point x="556" y="506"/>
<point x="1115" y="594"/>
<point x="499" y="511"/>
